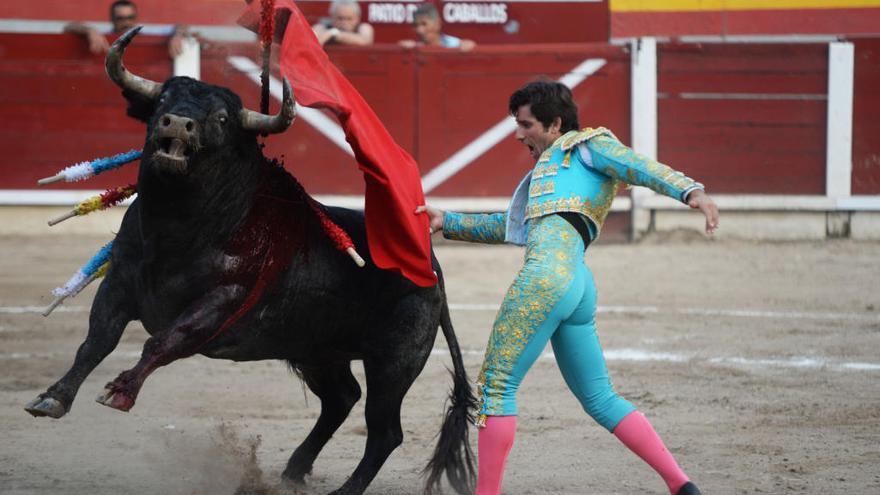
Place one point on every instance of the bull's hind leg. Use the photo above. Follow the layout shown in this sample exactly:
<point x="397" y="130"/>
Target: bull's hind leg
<point x="189" y="332"/>
<point x="112" y="309"/>
<point x="338" y="391"/>
<point x="399" y="354"/>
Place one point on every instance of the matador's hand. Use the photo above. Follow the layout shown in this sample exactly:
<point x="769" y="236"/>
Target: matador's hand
<point x="698" y="199"/>
<point x="435" y="216"/>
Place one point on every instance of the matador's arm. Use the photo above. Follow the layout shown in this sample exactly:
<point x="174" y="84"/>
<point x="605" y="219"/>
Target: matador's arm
<point x="488" y="228"/>
<point x="609" y="156"/>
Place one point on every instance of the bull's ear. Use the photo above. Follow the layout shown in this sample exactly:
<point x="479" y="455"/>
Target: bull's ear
<point x="139" y="106"/>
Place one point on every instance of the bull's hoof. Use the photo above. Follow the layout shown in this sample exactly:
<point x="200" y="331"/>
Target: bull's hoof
<point x="293" y="487"/>
<point x="116" y="400"/>
<point x="295" y="474"/>
<point x="45" y="406"/>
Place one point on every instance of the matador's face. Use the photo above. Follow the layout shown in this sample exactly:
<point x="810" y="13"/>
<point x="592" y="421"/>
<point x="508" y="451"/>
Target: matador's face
<point x="532" y="133"/>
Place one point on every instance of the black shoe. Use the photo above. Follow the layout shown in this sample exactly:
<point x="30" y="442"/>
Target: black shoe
<point x="688" y="489"/>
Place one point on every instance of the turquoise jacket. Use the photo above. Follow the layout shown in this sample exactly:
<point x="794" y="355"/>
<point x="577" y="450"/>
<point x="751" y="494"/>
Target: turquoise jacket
<point x="580" y="172"/>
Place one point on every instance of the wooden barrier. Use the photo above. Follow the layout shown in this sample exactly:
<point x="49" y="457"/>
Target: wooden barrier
<point x="748" y="119"/>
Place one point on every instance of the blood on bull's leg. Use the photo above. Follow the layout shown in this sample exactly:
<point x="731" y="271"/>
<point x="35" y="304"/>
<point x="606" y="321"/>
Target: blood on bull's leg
<point x="189" y="332"/>
<point x="112" y="310"/>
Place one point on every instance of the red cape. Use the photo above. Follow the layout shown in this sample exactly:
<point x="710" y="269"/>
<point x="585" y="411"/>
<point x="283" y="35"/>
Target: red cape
<point x="398" y="239"/>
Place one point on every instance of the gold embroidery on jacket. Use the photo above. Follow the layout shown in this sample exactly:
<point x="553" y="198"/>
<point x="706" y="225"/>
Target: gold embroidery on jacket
<point x="596" y="209"/>
<point x="535" y="189"/>
<point x="574" y="138"/>
<point x="545" y="156"/>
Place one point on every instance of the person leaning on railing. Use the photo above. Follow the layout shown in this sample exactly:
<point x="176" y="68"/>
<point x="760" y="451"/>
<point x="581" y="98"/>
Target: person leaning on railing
<point x="123" y="16"/>
<point x="344" y="25"/>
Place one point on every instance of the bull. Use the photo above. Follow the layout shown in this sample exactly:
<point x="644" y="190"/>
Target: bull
<point x="222" y="255"/>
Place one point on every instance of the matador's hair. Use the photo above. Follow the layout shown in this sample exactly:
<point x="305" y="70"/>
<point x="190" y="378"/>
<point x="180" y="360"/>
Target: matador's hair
<point x="548" y="100"/>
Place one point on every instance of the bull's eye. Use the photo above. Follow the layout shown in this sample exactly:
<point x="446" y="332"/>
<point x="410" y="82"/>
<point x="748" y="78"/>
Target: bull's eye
<point x="222" y="119"/>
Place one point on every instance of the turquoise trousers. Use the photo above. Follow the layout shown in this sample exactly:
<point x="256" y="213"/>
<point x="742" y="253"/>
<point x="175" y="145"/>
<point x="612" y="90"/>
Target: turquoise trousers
<point x="552" y="298"/>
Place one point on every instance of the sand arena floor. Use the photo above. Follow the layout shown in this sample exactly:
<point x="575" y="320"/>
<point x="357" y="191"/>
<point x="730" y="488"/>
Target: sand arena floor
<point x="757" y="362"/>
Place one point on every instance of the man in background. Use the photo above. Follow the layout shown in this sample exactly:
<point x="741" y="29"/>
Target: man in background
<point x="428" y="28"/>
<point x="123" y="16"/>
<point x="344" y="26"/>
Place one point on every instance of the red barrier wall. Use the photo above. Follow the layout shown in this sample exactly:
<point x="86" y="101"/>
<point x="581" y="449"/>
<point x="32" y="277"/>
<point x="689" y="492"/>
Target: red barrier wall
<point x="745" y="118"/>
<point x="57" y="107"/>
<point x="433" y="102"/>
<point x="462" y="97"/>
<point x="866" y="124"/>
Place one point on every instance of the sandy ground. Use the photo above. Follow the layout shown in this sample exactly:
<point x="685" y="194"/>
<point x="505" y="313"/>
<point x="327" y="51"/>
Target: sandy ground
<point x="757" y="362"/>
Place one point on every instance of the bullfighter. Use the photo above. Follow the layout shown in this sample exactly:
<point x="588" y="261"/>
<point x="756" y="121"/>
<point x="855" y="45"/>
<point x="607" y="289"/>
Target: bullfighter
<point x="556" y="211"/>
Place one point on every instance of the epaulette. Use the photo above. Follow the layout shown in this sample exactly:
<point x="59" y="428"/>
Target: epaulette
<point x="583" y="135"/>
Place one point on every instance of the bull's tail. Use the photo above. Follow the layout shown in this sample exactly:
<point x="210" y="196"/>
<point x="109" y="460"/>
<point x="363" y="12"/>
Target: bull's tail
<point x="453" y="452"/>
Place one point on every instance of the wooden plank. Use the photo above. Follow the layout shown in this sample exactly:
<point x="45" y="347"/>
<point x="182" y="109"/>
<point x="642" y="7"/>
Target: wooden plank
<point x="770" y="58"/>
<point x="766" y="113"/>
<point x="735" y="137"/>
<point x="812" y="84"/>
<point x="772" y="147"/>
<point x="752" y="172"/>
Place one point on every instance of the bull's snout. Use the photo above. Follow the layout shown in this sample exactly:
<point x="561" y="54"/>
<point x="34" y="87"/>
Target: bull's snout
<point x="171" y="125"/>
<point x="177" y="136"/>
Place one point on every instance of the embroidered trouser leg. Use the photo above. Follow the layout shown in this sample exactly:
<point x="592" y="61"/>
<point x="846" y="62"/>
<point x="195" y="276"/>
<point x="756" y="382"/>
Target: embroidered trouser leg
<point x="552" y="298"/>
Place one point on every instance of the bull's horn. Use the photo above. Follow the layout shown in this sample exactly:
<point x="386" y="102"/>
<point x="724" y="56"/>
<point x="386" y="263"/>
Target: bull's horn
<point x="266" y="124"/>
<point x="122" y="77"/>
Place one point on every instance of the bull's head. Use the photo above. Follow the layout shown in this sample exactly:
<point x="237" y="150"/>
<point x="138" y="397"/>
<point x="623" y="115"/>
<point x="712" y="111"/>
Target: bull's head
<point x="187" y="117"/>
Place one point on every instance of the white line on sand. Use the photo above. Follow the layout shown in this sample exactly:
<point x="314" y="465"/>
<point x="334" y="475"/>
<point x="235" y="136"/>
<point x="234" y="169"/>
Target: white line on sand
<point x="739" y="313"/>
<point x="624" y="354"/>
<point x="16" y="310"/>
<point x="641" y="355"/>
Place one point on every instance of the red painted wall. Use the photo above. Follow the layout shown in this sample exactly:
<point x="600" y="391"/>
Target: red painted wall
<point x="742" y="118"/>
<point x="58" y="107"/>
<point x="745" y="118"/>
<point x="433" y="102"/>
<point x="866" y="124"/>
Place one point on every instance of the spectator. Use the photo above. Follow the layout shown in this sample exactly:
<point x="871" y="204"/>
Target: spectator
<point x="123" y="16"/>
<point x="344" y="25"/>
<point x="427" y="25"/>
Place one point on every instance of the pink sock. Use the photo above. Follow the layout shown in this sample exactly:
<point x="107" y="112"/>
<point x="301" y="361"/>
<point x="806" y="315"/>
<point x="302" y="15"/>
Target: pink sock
<point x="636" y="432"/>
<point x="493" y="445"/>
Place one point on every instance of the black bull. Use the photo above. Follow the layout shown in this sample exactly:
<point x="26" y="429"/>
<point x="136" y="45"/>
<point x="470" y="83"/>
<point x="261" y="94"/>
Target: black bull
<point x="223" y="255"/>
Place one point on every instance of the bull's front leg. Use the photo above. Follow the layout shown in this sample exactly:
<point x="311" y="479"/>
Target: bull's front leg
<point x="112" y="309"/>
<point x="189" y="332"/>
